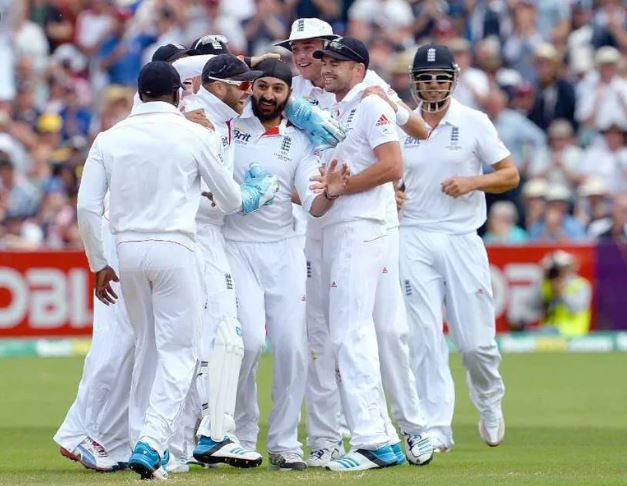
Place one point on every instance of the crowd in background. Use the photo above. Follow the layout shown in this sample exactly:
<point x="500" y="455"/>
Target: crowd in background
<point x="550" y="74"/>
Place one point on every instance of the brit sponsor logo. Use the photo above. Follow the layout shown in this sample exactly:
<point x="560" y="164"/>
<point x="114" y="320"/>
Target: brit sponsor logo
<point x="241" y="137"/>
<point x="411" y="142"/>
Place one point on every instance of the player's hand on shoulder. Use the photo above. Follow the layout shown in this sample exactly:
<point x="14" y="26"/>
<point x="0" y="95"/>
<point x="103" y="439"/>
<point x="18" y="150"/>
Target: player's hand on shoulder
<point x="336" y="179"/>
<point x="198" y="116"/>
<point x="254" y="60"/>
<point x="458" y="186"/>
<point x="380" y="92"/>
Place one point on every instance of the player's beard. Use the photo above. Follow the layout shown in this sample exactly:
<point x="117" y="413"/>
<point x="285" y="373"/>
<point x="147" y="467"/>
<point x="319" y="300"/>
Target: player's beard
<point x="266" y="116"/>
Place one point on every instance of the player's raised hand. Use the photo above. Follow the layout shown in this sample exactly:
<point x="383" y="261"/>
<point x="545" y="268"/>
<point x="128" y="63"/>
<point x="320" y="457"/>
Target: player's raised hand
<point x="104" y="292"/>
<point x="458" y="186"/>
<point x="336" y="180"/>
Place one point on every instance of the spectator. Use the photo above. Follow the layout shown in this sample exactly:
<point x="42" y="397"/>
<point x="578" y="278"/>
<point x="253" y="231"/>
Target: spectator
<point x="22" y="197"/>
<point x="534" y="204"/>
<point x="592" y="207"/>
<point x="602" y="95"/>
<point x="555" y="96"/>
<point x="400" y="80"/>
<point x="502" y="228"/>
<point x="562" y="167"/>
<point x="266" y="25"/>
<point x="473" y="84"/>
<point x="93" y="25"/>
<point x="610" y="24"/>
<point x="564" y="296"/>
<point x="617" y="229"/>
<point x="520" y="135"/>
<point x="607" y="158"/>
<point x="489" y="18"/>
<point x="553" y="20"/>
<point x="393" y="19"/>
<point x="556" y="224"/>
<point x="519" y="47"/>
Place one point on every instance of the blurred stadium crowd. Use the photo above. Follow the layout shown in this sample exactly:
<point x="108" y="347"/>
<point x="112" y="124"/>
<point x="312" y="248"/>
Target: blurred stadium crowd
<point x="551" y="74"/>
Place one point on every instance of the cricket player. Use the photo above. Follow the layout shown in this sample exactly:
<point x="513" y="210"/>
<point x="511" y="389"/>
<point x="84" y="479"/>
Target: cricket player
<point x="152" y="163"/>
<point x="95" y="430"/>
<point x="352" y="239"/>
<point x="268" y="263"/>
<point x="443" y="260"/>
<point x="323" y="401"/>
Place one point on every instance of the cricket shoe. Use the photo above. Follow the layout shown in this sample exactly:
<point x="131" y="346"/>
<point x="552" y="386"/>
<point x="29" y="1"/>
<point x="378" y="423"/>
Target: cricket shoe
<point x="363" y="459"/>
<point x="419" y="449"/>
<point x="398" y="452"/>
<point x="287" y="461"/>
<point x="92" y="455"/>
<point x="227" y="451"/>
<point x="321" y="457"/>
<point x="177" y="466"/>
<point x="146" y="462"/>
<point x="492" y="429"/>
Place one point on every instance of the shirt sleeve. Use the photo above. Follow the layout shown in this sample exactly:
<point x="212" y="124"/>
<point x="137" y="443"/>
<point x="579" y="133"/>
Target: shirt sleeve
<point x="307" y="167"/>
<point x="377" y="121"/>
<point x="90" y="207"/>
<point x="226" y="192"/>
<point x="490" y="147"/>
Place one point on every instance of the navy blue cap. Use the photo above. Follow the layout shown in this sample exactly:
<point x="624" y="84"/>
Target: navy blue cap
<point x="158" y="78"/>
<point x="345" y="49"/>
<point x="172" y="52"/>
<point x="211" y="44"/>
<point x="228" y="67"/>
<point x="434" y="57"/>
<point x="275" y="68"/>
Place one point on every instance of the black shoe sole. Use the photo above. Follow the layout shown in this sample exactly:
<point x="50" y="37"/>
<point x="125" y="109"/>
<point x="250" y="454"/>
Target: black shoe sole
<point x="231" y="461"/>
<point x="142" y="470"/>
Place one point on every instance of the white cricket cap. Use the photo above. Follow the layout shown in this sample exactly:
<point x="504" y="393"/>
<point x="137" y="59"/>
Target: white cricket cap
<point x="308" y="29"/>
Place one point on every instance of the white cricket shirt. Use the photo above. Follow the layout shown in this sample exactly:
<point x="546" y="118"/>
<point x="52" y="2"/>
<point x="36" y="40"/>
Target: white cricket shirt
<point x="369" y="122"/>
<point x="286" y="152"/>
<point x="459" y="145"/>
<point x="221" y="116"/>
<point x="152" y="163"/>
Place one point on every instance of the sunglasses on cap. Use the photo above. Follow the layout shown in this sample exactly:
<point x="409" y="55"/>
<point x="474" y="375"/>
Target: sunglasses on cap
<point x="339" y="47"/>
<point x="242" y="85"/>
<point x="430" y="77"/>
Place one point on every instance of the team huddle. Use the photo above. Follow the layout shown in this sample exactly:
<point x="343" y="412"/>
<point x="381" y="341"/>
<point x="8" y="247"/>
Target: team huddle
<point x="238" y="203"/>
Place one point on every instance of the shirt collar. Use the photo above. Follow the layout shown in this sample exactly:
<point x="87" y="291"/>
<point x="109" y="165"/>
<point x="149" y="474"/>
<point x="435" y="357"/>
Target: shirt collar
<point x="154" y="107"/>
<point x="354" y="92"/>
<point x="453" y="114"/>
<point x="215" y="109"/>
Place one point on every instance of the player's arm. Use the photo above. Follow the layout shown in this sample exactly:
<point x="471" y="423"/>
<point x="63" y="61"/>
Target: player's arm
<point x="387" y="168"/>
<point x="409" y="121"/>
<point x="331" y="187"/>
<point x="90" y="210"/>
<point x="504" y="178"/>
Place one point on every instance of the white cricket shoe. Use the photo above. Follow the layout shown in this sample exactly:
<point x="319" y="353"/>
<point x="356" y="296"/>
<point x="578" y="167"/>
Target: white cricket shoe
<point x="286" y="461"/>
<point x="322" y="457"/>
<point x="228" y="451"/>
<point x="92" y="455"/>
<point x="418" y="449"/>
<point x="492" y="429"/>
<point x="364" y="459"/>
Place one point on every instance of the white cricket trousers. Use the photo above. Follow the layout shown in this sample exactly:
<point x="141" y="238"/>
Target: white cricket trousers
<point x="100" y="410"/>
<point x="439" y="270"/>
<point x="220" y="304"/>
<point x="271" y="296"/>
<point x="352" y="260"/>
<point x="160" y="283"/>
<point x="323" y="401"/>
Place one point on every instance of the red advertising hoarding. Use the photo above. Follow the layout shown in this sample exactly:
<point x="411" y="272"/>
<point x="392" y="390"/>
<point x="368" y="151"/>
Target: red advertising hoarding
<point x="516" y="275"/>
<point x="45" y="293"/>
<point x="49" y="293"/>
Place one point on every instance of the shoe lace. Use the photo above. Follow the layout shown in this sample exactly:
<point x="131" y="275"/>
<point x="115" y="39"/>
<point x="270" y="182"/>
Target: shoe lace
<point x="417" y="440"/>
<point x="100" y="451"/>
<point x="292" y="457"/>
<point x="317" y="454"/>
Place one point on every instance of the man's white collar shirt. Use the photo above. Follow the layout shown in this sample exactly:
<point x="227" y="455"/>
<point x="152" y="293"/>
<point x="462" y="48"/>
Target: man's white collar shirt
<point x="459" y="145"/>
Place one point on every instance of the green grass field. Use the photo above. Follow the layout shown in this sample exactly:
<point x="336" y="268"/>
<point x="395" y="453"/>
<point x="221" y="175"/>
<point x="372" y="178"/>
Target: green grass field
<point x="566" y="424"/>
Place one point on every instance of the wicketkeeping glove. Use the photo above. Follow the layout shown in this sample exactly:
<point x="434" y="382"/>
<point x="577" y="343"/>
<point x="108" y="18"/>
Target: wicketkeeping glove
<point x="258" y="188"/>
<point x="323" y="130"/>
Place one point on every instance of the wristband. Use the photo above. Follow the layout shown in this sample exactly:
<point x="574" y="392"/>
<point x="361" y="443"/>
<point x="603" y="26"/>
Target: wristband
<point x="402" y="115"/>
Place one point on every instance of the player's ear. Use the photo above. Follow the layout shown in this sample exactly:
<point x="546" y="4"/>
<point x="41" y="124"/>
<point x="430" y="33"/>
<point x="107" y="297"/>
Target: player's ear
<point x="176" y="97"/>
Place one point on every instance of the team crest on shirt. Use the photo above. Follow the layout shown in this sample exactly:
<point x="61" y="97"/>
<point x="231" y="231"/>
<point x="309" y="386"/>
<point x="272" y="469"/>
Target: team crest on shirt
<point x="454" y="140"/>
<point x="241" y="137"/>
<point x="284" y="154"/>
